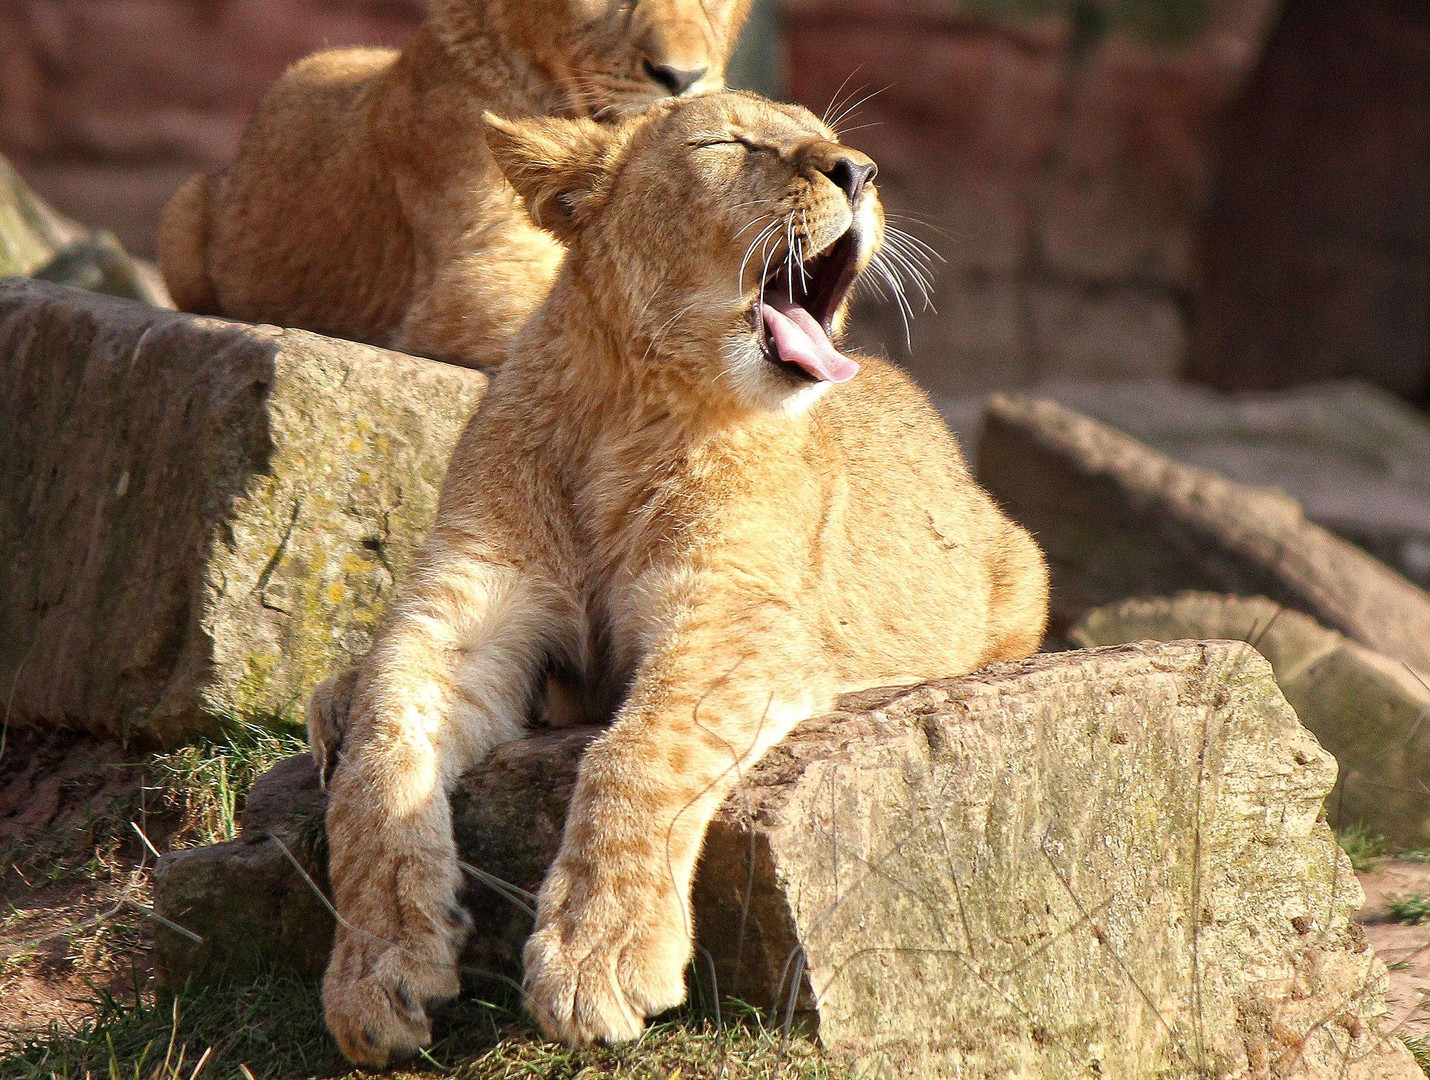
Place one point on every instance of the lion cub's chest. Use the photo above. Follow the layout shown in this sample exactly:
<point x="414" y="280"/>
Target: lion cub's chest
<point x="650" y="527"/>
<point x="635" y="535"/>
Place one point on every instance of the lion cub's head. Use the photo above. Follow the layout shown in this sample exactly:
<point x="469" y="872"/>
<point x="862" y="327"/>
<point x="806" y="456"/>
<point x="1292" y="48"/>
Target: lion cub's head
<point x="719" y="237"/>
<point x="610" y="57"/>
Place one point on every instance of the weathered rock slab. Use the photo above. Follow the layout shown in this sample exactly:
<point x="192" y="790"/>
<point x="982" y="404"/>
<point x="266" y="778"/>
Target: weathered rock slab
<point x="1355" y="457"/>
<point x="1372" y="713"/>
<point x="1118" y="520"/>
<point x="1107" y="863"/>
<point x="199" y="519"/>
<point x="37" y="242"/>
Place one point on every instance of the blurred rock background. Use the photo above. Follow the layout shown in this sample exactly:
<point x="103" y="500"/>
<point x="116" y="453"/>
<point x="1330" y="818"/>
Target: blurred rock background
<point x="1234" y="190"/>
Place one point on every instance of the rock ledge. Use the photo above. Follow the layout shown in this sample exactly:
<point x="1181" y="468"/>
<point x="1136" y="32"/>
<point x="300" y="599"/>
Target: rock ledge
<point x="1106" y="863"/>
<point x="199" y="519"/>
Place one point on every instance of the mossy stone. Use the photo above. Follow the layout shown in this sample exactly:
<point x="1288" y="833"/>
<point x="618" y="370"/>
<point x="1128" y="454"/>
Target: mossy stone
<point x="201" y="519"/>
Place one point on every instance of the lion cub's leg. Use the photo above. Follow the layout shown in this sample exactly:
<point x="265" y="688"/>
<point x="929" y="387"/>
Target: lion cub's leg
<point x="613" y="931"/>
<point x="448" y="678"/>
<point x="562" y="705"/>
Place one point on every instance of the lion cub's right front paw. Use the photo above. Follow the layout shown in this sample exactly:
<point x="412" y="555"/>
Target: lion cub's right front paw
<point x="376" y="997"/>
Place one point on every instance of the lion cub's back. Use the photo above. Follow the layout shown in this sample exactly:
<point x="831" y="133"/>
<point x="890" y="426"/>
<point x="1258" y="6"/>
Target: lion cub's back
<point x="937" y="574"/>
<point x="307" y="230"/>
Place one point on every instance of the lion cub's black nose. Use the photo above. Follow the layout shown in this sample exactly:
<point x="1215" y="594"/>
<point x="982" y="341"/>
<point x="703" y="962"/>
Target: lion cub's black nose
<point x="674" y="79"/>
<point x="851" y="172"/>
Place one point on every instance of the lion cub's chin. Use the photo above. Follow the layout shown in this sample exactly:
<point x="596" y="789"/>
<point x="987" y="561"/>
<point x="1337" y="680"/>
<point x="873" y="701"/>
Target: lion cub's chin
<point x="762" y="385"/>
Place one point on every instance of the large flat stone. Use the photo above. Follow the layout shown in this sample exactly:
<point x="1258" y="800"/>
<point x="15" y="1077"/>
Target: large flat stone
<point x="1109" y="863"/>
<point x="1355" y="457"/>
<point x="199" y="519"/>
<point x="1118" y="520"/>
<point x="1371" y="712"/>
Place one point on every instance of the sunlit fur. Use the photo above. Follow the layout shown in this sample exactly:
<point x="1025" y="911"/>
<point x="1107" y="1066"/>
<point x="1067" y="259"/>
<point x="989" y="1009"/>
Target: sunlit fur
<point x="364" y="203"/>
<point x="684" y="537"/>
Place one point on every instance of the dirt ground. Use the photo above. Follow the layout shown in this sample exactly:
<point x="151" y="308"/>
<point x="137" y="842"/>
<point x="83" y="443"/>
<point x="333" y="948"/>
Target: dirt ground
<point x="74" y="877"/>
<point x="1404" y="947"/>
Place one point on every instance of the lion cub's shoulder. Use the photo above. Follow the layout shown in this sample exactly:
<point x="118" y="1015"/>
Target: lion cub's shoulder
<point x="884" y="409"/>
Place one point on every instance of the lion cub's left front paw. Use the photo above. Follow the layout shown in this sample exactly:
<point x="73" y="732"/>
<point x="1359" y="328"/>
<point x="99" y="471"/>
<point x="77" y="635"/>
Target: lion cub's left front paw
<point x="376" y="994"/>
<point x="600" y="961"/>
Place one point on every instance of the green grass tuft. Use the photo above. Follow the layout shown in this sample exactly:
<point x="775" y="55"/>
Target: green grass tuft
<point x="1362" y="846"/>
<point x="207" y="782"/>
<point x="274" y="1028"/>
<point x="1420" y="1048"/>
<point x="1409" y="909"/>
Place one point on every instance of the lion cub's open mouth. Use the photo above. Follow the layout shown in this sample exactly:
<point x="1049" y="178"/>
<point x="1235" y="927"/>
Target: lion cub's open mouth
<point x="797" y="308"/>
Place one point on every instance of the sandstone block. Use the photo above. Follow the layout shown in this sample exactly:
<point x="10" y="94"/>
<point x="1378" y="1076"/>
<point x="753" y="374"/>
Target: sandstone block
<point x="1107" y="863"/>
<point x="1118" y="520"/>
<point x="31" y="234"/>
<point x="1355" y="457"/>
<point x="1372" y="713"/>
<point x="199" y="519"/>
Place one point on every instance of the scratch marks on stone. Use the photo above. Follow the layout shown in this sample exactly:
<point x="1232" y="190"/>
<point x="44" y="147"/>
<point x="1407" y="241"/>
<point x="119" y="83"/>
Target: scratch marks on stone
<point x="260" y="589"/>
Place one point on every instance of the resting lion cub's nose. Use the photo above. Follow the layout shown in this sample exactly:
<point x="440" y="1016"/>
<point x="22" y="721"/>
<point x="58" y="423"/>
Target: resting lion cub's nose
<point x="674" y="79"/>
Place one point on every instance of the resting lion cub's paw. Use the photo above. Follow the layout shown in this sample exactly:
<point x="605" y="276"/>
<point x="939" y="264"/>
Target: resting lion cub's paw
<point x="376" y="998"/>
<point x="401" y="926"/>
<point x="599" y="963"/>
<point x="382" y="983"/>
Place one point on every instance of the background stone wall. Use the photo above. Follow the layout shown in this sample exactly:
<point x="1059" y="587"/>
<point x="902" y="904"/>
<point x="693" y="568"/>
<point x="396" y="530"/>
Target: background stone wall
<point x="106" y="106"/>
<point x="1236" y="189"/>
<point x="1316" y="253"/>
<point x="1067" y="162"/>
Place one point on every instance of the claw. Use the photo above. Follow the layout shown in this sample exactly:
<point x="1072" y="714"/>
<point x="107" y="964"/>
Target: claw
<point x="404" y="1000"/>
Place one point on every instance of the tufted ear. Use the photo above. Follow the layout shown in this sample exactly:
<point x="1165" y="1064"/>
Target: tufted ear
<point x="556" y="166"/>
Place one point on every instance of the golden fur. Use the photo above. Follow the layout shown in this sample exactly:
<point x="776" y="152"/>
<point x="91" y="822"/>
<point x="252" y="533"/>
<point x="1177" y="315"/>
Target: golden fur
<point x="364" y="203"/>
<point x="706" y="547"/>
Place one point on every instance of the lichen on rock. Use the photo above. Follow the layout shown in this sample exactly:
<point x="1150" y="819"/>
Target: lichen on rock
<point x="204" y="518"/>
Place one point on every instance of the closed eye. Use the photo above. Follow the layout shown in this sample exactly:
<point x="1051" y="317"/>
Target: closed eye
<point x="752" y="147"/>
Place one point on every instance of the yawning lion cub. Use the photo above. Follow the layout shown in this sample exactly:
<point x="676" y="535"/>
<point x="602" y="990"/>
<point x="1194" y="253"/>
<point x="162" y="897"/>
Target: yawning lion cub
<point x="682" y="498"/>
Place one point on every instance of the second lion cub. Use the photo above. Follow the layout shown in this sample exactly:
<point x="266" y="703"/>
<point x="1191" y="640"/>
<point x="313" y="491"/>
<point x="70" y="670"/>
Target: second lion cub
<point x="680" y="495"/>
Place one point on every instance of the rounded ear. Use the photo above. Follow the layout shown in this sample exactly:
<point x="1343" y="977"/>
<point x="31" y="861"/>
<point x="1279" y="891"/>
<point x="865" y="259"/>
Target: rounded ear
<point x="556" y="166"/>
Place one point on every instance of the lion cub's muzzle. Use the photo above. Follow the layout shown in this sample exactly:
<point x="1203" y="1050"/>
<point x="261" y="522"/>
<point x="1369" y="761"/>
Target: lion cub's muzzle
<point x="794" y="315"/>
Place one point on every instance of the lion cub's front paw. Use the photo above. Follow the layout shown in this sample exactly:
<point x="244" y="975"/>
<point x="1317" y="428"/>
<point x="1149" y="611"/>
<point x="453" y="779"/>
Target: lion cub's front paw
<point x="597" y="967"/>
<point x="376" y="996"/>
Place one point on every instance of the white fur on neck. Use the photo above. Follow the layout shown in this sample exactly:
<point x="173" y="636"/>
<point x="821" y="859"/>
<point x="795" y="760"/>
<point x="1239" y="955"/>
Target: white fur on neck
<point x="758" y="384"/>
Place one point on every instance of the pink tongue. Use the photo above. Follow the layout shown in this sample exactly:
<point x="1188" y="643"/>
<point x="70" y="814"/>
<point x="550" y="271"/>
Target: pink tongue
<point x="801" y="340"/>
